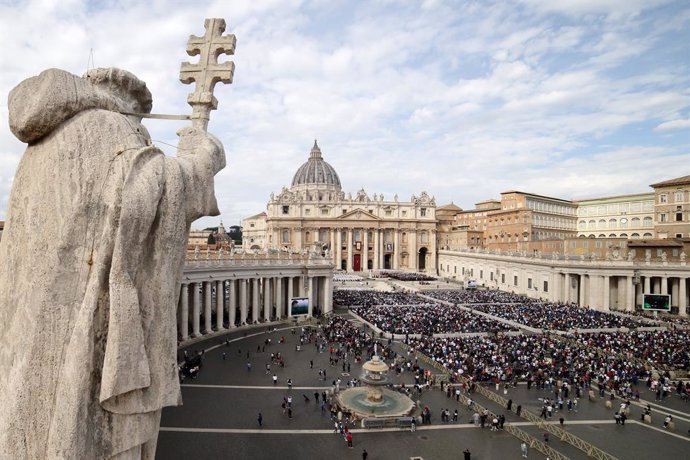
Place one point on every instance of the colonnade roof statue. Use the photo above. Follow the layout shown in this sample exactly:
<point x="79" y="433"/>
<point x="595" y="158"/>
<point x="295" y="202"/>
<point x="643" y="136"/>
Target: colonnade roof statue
<point x="92" y="254"/>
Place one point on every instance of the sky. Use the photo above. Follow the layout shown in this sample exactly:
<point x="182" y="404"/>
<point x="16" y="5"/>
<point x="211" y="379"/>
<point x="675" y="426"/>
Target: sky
<point x="462" y="99"/>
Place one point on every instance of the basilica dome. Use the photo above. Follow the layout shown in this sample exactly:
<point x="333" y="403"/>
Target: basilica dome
<point x="316" y="171"/>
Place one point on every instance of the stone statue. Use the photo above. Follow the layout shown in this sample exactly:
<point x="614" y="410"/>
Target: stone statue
<point x="631" y="256"/>
<point x="664" y="257"/>
<point x="648" y="257"/>
<point x="683" y="256"/>
<point x="197" y="251"/>
<point x="87" y="298"/>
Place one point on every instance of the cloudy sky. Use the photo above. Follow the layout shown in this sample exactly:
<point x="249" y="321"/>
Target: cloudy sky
<point x="462" y="99"/>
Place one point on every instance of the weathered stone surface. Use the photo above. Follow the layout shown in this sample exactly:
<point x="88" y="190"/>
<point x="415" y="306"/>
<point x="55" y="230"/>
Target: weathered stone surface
<point x="90" y="261"/>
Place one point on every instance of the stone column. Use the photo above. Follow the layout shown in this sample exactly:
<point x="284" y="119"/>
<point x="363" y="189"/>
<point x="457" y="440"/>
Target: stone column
<point x="349" y="250"/>
<point x="412" y="249"/>
<point x="184" y="313"/>
<point x="432" y="253"/>
<point x="629" y="294"/>
<point x="365" y="249"/>
<point x="312" y="298"/>
<point x="607" y="292"/>
<point x="328" y="295"/>
<point x="279" y="297"/>
<point x="647" y="285"/>
<point x="196" y="306"/>
<point x="233" y="304"/>
<point x="656" y="286"/>
<point x="566" y="290"/>
<point x="267" y="298"/>
<point x="582" y="290"/>
<point x="339" y="248"/>
<point x="290" y="295"/>
<point x="396" y="249"/>
<point x="333" y="247"/>
<point x="220" y="297"/>
<point x="255" y="300"/>
<point x="682" y="297"/>
<point x="377" y="249"/>
<point x="664" y="285"/>
<point x="208" y="326"/>
<point x="244" y="305"/>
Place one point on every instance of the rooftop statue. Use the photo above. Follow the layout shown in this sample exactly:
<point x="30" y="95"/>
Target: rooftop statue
<point x="92" y="251"/>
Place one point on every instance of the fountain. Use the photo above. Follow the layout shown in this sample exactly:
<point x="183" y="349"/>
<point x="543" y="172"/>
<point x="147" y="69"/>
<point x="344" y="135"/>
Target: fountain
<point x="373" y="400"/>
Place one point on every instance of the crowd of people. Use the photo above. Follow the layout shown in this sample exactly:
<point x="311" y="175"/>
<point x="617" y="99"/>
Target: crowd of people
<point x="404" y="276"/>
<point x="370" y="297"/>
<point x="427" y="319"/>
<point x="475" y="296"/>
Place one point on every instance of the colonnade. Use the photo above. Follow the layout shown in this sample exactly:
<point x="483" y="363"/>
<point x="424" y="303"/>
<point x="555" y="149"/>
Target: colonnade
<point x="601" y="285"/>
<point x="210" y="303"/>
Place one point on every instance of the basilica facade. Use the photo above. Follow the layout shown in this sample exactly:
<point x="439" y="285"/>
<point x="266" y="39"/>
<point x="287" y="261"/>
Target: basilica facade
<point x="358" y="232"/>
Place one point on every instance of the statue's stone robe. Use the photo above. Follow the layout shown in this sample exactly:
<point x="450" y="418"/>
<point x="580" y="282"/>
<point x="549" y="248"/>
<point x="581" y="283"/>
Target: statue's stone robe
<point x="90" y="264"/>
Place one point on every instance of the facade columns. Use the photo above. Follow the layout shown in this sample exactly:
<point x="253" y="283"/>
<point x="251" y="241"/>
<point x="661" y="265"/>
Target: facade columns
<point x="220" y="298"/>
<point x="339" y="249"/>
<point x="312" y="298"/>
<point x="412" y="249"/>
<point x="255" y="300"/>
<point x="334" y="254"/>
<point x="582" y="291"/>
<point x="196" y="305"/>
<point x="377" y="249"/>
<point x="232" y="304"/>
<point x="244" y="306"/>
<point x="184" y="313"/>
<point x="349" y="250"/>
<point x="328" y="294"/>
<point x="396" y="249"/>
<point x="365" y="250"/>
<point x="279" y="297"/>
<point x="664" y="285"/>
<point x="647" y="285"/>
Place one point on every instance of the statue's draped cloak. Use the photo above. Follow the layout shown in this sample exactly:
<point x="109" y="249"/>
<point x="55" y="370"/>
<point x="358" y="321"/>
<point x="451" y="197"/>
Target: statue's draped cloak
<point x="90" y="263"/>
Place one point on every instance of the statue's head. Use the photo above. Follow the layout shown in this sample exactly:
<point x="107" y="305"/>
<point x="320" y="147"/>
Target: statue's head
<point x="124" y="85"/>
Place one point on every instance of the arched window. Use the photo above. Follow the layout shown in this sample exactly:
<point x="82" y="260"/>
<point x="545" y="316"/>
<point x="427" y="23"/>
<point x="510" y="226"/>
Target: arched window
<point x="601" y="235"/>
<point x="612" y="235"/>
<point x="602" y="223"/>
<point x="623" y="235"/>
<point x="635" y="222"/>
<point x="613" y="223"/>
<point x="635" y="236"/>
<point x="592" y="224"/>
<point x="647" y="222"/>
<point x="647" y="235"/>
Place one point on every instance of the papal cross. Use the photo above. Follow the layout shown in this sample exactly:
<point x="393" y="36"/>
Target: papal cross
<point x="207" y="72"/>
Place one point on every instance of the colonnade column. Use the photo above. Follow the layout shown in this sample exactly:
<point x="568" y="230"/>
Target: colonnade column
<point x="255" y="299"/>
<point x="629" y="294"/>
<point x="333" y="247"/>
<point x="220" y="298"/>
<point x="290" y="285"/>
<point x="566" y="290"/>
<point x="647" y="285"/>
<point x="582" y="290"/>
<point x="328" y="295"/>
<point x="243" y="301"/>
<point x="607" y="292"/>
<point x="267" y="298"/>
<point x="196" y="305"/>
<point x="184" y="313"/>
<point x="349" y="250"/>
<point x="365" y="249"/>
<point x="312" y="298"/>
<point x="412" y="249"/>
<point x="682" y="294"/>
<point x="233" y="304"/>
<point x="208" y="326"/>
<point x="664" y="285"/>
<point x="279" y="297"/>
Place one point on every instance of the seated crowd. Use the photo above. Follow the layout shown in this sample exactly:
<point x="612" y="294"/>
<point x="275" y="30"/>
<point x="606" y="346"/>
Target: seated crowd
<point x="404" y="276"/>
<point x="366" y="298"/>
<point x="427" y="319"/>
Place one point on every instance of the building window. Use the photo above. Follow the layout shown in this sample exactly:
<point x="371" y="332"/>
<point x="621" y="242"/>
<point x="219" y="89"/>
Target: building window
<point x="389" y="213"/>
<point x="663" y="217"/>
<point x="647" y="222"/>
<point x="678" y="197"/>
<point x="324" y="212"/>
<point x="344" y="211"/>
<point x="286" y="236"/>
<point x="515" y="280"/>
<point x="679" y="216"/>
<point x="529" y="283"/>
<point x="503" y="278"/>
<point x="404" y="213"/>
<point x="422" y="212"/>
<point x="679" y="235"/>
<point x="546" y="286"/>
<point x="286" y="209"/>
<point x="663" y="198"/>
<point x="251" y="225"/>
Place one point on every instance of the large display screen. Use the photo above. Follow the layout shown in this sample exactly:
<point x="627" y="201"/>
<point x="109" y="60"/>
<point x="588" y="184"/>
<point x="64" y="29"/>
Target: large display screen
<point x="299" y="306"/>
<point x="658" y="302"/>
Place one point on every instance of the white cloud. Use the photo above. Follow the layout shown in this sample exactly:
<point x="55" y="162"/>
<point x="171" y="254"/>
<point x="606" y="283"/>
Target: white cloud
<point x="673" y="125"/>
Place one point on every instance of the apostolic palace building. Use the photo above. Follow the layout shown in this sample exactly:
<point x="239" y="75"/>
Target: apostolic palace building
<point x="602" y="252"/>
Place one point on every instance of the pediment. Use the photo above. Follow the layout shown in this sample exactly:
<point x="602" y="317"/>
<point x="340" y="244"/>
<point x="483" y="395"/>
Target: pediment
<point x="359" y="215"/>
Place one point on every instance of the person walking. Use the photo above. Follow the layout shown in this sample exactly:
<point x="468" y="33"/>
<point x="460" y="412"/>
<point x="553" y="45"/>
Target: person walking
<point x="523" y="449"/>
<point x="467" y="454"/>
<point x="348" y="437"/>
<point x="365" y="454"/>
<point x="260" y="419"/>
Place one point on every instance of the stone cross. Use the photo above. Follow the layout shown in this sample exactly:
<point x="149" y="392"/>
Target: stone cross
<point x="207" y="72"/>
